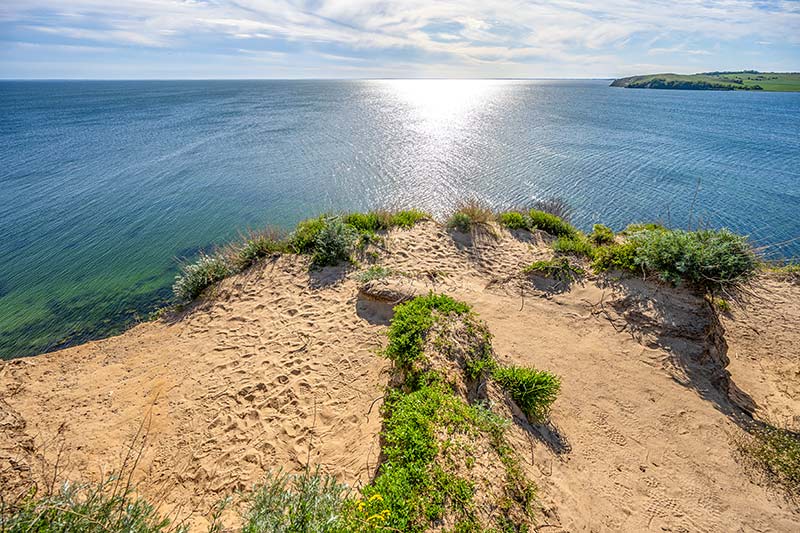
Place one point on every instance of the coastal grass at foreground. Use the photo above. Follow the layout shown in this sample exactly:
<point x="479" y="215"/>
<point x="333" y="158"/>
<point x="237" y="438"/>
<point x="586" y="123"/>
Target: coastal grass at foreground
<point x="433" y="431"/>
<point x="745" y="80"/>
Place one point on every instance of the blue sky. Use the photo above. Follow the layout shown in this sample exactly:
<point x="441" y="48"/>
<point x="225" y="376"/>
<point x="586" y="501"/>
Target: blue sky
<point x="371" y="38"/>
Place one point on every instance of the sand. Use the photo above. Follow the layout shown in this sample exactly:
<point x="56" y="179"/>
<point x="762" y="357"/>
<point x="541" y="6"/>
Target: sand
<point x="279" y="367"/>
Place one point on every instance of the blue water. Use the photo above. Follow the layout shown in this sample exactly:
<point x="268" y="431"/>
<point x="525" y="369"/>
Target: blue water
<point x="103" y="184"/>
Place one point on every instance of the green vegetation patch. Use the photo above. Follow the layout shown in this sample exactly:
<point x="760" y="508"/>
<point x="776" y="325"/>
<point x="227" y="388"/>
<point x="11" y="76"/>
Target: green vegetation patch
<point x="551" y="224"/>
<point x="577" y="245"/>
<point x="411" y="323"/>
<point x="745" y="80"/>
<point x="601" y="235"/>
<point x="776" y="452"/>
<point x="91" y="508"/>
<point x="469" y="215"/>
<point x="534" y="391"/>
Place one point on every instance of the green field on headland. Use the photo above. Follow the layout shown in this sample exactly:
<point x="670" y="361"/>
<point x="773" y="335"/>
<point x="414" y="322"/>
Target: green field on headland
<point x="745" y="80"/>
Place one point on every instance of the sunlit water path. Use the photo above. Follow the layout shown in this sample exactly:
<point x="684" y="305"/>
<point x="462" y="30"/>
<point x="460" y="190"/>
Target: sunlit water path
<point x="103" y="184"/>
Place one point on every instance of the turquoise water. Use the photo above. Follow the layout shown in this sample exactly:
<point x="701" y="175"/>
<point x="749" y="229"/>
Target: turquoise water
<point x="104" y="184"/>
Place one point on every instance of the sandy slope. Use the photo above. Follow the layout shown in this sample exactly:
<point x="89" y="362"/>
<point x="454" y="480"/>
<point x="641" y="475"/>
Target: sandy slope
<point x="281" y="365"/>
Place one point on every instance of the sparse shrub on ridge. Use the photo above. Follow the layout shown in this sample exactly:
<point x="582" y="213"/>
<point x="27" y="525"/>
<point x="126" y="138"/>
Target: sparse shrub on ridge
<point x="558" y="269"/>
<point x="470" y="214"/>
<point x="601" y="235"/>
<point x="334" y="243"/>
<point x="195" y="277"/>
<point x="630" y="229"/>
<point x="707" y="258"/>
<point x="555" y="206"/>
<point x="617" y="257"/>
<point x="304" y="237"/>
<point x="532" y="390"/>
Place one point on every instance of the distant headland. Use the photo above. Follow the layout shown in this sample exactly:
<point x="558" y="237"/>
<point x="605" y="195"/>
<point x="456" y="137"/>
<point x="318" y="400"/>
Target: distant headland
<point x="743" y="80"/>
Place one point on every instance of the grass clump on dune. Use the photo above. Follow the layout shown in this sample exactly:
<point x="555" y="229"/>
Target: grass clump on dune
<point x="294" y="503"/>
<point x="558" y="269"/>
<point x="91" y="508"/>
<point x="255" y="246"/>
<point x="534" y="391"/>
<point x="513" y="220"/>
<point x="334" y="242"/>
<point x="469" y="215"/>
<point x="195" y="277"/>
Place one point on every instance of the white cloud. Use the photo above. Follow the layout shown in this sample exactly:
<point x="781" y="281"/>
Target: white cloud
<point x="465" y="33"/>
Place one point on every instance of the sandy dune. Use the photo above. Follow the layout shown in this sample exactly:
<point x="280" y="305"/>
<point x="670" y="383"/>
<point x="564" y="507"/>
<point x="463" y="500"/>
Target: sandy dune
<point x="280" y="366"/>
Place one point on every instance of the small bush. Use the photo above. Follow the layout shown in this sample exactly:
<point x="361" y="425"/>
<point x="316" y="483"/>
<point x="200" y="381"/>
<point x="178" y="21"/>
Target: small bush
<point x="617" y="257"/>
<point x="551" y="224"/>
<point x="411" y="323"/>
<point x="601" y="235"/>
<point x="707" y="259"/>
<point x="408" y="218"/>
<point x="86" y="508"/>
<point x="195" y="277"/>
<point x="558" y="269"/>
<point x="577" y="245"/>
<point x="309" y="502"/>
<point x="335" y="242"/>
<point x="513" y="220"/>
<point x="532" y="390"/>
<point x="304" y="237"/>
<point x="372" y="273"/>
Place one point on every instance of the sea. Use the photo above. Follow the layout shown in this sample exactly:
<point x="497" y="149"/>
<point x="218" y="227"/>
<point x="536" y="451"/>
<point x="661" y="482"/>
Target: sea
<point x="105" y="186"/>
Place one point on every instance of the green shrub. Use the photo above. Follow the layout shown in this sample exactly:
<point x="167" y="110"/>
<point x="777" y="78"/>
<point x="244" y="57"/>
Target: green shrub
<point x="411" y="323"/>
<point x="460" y="222"/>
<point x="789" y="272"/>
<point x="601" y="235"/>
<point x="408" y="218"/>
<point x="304" y="237"/>
<point x="550" y="224"/>
<point x="576" y="245"/>
<point x="532" y="390"/>
<point x="309" y="502"/>
<point x="513" y="220"/>
<point x="195" y="277"/>
<point x="558" y="269"/>
<point x="708" y="259"/>
<point x="335" y="242"/>
<point x="617" y="257"/>
<point x="86" y="508"/>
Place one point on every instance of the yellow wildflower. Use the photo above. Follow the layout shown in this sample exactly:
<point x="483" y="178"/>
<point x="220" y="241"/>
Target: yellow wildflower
<point x="376" y="497"/>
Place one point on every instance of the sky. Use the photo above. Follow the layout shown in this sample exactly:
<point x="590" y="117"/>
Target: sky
<point x="177" y="39"/>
